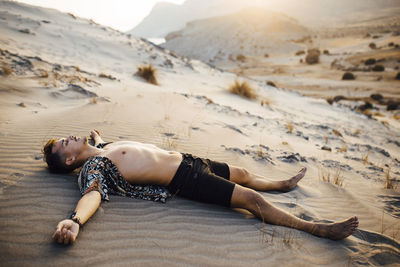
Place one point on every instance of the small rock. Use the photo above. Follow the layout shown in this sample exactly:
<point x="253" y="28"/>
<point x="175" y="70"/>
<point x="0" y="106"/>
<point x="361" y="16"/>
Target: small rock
<point x="376" y="97"/>
<point x="22" y="105"/>
<point x="378" y="68"/>
<point x="348" y="76"/>
<point x="327" y="148"/>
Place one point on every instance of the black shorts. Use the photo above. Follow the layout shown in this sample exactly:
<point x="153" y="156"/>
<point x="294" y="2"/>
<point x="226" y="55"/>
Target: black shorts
<point x="203" y="180"/>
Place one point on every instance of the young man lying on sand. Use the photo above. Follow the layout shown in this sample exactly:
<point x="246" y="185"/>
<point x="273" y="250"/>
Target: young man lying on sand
<point x="145" y="171"/>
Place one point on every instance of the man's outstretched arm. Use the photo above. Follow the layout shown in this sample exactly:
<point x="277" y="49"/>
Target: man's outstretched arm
<point x="67" y="230"/>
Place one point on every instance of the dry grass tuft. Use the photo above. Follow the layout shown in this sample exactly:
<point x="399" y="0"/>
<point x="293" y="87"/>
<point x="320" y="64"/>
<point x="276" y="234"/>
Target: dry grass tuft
<point x="148" y="73"/>
<point x="365" y="159"/>
<point x="313" y="56"/>
<point x="72" y="15"/>
<point x="6" y="71"/>
<point x="337" y="133"/>
<point x="356" y="132"/>
<point x="289" y="127"/>
<point x="388" y="180"/>
<point x="335" y="178"/>
<point x="241" y="58"/>
<point x="103" y="75"/>
<point x="94" y="100"/>
<point x="266" y="102"/>
<point x="242" y="89"/>
<point x="43" y="74"/>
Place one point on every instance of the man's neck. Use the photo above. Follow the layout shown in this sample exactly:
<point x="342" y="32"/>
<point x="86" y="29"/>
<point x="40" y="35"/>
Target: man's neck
<point x="90" y="151"/>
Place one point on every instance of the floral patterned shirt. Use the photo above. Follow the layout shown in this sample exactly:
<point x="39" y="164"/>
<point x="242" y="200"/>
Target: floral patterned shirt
<point x="100" y="174"/>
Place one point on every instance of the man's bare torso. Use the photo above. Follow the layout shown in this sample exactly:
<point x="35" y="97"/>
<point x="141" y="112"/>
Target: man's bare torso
<point x="142" y="163"/>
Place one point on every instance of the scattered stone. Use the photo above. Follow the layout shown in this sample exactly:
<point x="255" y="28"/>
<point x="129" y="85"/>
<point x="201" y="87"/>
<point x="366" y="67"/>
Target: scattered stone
<point x="376" y="97"/>
<point x="375" y="168"/>
<point x="327" y="148"/>
<point x="22" y="105"/>
<point x="338" y="98"/>
<point x="38" y="156"/>
<point x="365" y="106"/>
<point x="370" y="61"/>
<point x="46" y="21"/>
<point x="18" y="174"/>
<point x="27" y="31"/>
<point x="391" y="44"/>
<point x="291" y="157"/>
<point x="372" y="45"/>
<point x="378" y="68"/>
<point x="348" y="76"/>
<point x="392" y="105"/>
<point x="270" y="83"/>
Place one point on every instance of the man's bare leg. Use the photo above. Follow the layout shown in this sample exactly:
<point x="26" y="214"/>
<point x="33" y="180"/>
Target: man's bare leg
<point x="255" y="203"/>
<point x="243" y="177"/>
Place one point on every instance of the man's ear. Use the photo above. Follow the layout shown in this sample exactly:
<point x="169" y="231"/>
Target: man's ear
<point x="70" y="160"/>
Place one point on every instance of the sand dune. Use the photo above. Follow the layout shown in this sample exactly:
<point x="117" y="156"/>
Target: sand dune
<point x="190" y="111"/>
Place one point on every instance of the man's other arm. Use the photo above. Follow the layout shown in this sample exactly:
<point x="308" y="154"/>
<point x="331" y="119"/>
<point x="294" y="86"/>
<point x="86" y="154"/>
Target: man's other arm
<point x="67" y="230"/>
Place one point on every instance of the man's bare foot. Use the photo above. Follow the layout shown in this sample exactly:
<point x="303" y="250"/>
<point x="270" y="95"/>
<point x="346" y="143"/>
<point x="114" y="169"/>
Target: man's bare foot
<point x="337" y="231"/>
<point x="290" y="184"/>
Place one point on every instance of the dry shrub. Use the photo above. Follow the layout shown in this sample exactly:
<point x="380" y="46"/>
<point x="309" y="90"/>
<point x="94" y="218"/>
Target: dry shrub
<point x="343" y="149"/>
<point x="266" y="55"/>
<point x="266" y="102"/>
<point x="326" y="52"/>
<point x="72" y="15"/>
<point x="77" y="68"/>
<point x="397" y="76"/>
<point x="43" y="74"/>
<point x="336" y="132"/>
<point x="5" y="70"/>
<point x="242" y="89"/>
<point x="289" y="127"/>
<point x="148" y="73"/>
<point x="335" y="178"/>
<point x="356" y="132"/>
<point x="301" y="52"/>
<point x="94" y="100"/>
<point x="285" y="143"/>
<point x="313" y="56"/>
<point x="241" y="58"/>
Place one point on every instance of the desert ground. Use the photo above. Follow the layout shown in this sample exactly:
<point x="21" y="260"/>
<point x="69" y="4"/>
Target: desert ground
<point x="61" y="75"/>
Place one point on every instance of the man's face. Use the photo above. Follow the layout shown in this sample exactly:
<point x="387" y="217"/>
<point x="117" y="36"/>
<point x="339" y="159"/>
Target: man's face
<point x="71" y="146"/>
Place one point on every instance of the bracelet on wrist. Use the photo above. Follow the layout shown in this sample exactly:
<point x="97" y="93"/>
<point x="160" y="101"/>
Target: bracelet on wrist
<point x="75" y="219"/>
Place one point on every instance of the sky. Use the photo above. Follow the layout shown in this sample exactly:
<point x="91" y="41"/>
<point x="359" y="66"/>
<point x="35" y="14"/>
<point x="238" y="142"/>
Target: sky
<point x="122" y="15"/>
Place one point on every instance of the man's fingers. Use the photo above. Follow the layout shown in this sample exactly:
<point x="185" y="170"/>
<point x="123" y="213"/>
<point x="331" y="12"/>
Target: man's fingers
<point x="67" y="237"/>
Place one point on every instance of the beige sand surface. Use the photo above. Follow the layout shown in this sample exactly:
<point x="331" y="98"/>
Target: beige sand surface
<point x="178" y="115"/>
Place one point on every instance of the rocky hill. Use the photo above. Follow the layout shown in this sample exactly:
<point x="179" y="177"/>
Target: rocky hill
<point x="250" y="32"/>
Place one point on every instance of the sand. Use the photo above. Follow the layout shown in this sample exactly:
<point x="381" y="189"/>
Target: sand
<point x="190" y="111"/>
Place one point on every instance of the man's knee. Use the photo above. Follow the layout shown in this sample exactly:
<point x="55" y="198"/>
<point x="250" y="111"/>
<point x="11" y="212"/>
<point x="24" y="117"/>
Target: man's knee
<point x="242" y="176"/>
<point x="246" y="198"/>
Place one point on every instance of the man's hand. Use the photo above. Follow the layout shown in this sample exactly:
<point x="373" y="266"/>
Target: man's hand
<point x="66" y="232"/>
<point x="94" y="134"/>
